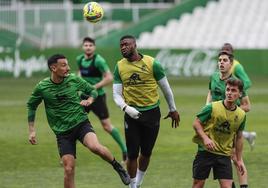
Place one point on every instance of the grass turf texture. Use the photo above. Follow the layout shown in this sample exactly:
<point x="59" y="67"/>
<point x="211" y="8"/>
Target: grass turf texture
<point x="23" y="165"/>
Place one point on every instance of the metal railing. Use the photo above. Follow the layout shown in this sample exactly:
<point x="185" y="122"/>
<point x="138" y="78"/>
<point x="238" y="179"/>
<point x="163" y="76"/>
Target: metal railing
<point x="49" y="25"/>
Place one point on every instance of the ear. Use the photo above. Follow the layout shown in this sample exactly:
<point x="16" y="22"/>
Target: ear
<point x="53" y="67"/>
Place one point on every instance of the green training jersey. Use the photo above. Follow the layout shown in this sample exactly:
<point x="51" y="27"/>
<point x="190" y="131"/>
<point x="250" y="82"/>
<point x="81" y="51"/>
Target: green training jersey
<point x="62" y="102"/>
<point x="92" y="70"/>
<point x="221" y="125"/>
<point x="217" y="87"/>
<point x="238" y="70"/>
<point x="139" y="80"/>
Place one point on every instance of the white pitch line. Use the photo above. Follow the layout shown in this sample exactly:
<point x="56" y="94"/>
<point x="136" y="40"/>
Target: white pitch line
<point x="12" y="103"/>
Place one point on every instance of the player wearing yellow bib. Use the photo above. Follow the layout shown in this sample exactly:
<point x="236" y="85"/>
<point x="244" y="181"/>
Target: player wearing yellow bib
<point x="218" y="127"/>
<point x="217" y="92"/>
<point x="136" y="80"/>
<point x="239" y="71"/>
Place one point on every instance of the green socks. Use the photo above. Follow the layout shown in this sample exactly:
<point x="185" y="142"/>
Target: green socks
<point x="116" y="136"/>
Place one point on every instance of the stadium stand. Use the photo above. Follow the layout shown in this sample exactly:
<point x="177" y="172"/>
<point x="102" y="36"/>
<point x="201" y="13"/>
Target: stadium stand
<point x="212" y="25"/>
<point x="147" y="23"/>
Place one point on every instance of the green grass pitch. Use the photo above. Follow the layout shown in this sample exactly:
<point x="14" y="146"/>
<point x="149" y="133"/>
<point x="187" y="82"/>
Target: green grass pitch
<point x="23" y="165"/>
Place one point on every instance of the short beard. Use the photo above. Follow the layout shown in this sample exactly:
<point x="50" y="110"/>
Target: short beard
<point x="128" y="55"/>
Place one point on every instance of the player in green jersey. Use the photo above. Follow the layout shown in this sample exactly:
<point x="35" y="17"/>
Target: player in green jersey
<point x="218" y="127"/>
<point x="136" y="80"/>
<point x="94" y="69"/>
<point x="217" y="81"/>
<point x="239" y="71"/>
<point x="217" y="92"/>
<point x="67" y="118"/>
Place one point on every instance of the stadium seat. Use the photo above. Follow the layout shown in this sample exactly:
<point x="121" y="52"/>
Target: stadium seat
<point x="211" y="26"/>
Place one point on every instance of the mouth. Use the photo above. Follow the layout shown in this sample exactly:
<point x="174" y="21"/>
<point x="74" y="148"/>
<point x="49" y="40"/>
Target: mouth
<point x="88" y="51"/>
<point x="229" y="98"/>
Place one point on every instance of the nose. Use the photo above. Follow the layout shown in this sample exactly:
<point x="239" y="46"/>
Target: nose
<point x="228" y="92"/>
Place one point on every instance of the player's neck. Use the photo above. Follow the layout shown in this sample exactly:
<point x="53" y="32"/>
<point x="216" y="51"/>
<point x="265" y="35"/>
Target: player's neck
<point x="224" y="76"/>
<point x="89" y="56"/>
<point x="56" y="79"/>
<point x="229" y="105"/>
<point x="135" y="57"/>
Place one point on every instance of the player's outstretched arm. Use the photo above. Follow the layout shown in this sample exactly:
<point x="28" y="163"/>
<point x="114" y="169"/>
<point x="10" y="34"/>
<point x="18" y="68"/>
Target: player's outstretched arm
<point x="173" y="114"/>
<point x="175" y="118"/>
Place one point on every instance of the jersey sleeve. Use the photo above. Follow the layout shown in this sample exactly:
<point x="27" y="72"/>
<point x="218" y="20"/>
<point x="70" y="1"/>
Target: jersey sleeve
<point x="243" y="124"/>
<point x="205" y="113"/>
<point x="78" y="59"/>
<point x="158" y="70"/>
<point x="102" y="65"/>
<point x="87" y="88"/>
<point x="240" y="73"/>
<point x="117" y="78"/>
<point x="33" y="102"/>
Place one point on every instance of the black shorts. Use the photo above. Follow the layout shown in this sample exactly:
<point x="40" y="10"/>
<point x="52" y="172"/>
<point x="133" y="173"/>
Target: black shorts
<point x="67" y="140"/>
<point x="141" y="133"/>
<point x="99" y="107"/>
<point x="204" y="161"/>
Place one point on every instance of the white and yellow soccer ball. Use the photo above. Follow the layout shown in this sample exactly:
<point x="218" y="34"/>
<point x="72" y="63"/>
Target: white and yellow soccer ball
<point x="93" y="12"/>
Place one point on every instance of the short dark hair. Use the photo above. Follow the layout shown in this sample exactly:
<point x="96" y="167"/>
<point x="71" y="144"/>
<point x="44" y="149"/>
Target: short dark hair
<point x="128" y="37"/>
<point x="226" y="52"/>
<point x="228" y="47"/>
<point x="54" y="59"/>
<point x="235" y="82"/>
<point x="88" y="39"/>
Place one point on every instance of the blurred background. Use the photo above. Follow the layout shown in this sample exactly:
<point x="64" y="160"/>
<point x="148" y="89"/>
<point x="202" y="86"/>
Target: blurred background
<point x="184" y="35"/>
<point x="180" y="33"/>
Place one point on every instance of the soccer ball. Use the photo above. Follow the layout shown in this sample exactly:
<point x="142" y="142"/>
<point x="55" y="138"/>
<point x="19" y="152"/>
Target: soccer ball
<point x="93" y="12"/>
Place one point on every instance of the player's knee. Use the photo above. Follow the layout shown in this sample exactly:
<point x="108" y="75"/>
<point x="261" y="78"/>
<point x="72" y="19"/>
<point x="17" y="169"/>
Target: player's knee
<point x="107" y="128"/>
<point x="96" y="148"/>
<point x="226" y="186"/>
<point x="69" y="170"/>
<point x="133" y="156"/>
<point x="146" y="154"/>
<point x="198" y="183"/>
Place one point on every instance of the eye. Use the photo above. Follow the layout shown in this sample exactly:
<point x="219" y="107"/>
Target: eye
<point x="224" y="60"/>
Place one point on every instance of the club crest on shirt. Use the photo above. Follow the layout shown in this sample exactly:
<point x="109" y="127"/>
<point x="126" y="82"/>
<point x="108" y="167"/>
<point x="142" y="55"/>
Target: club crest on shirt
<point x="143" y="68"/>
<point x="61" y="97"/>
<point x="236" y="118"/>
<point x="223" y="128"/>
<point x="135" y="79"/>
